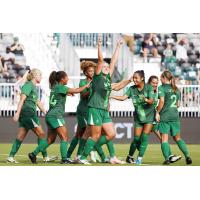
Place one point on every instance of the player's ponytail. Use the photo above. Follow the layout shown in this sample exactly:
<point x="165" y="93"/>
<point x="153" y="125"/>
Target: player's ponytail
<point x="52" y="78"/>
<point x="169" y="76"/>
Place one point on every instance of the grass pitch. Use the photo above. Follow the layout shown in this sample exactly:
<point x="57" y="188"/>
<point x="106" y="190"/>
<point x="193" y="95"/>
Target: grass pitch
<point x="153" y="155"/>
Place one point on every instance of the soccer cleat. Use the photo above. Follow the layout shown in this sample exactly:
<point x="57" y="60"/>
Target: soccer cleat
<point x="82" y="161"/>
<point x="11" y="160"/>
<point x="106" y="160"/>
<point x="130" y="159"/>
<point x="32" y="157"/>
<point x="50" y="159"/>
<point x="138" y="162"/>
<point x="67" y="161"/>
<point x="174" y="158"/>
<point x="166" y="162"/>
<point x="188" y="161"/>
<point x="115" y="160"/>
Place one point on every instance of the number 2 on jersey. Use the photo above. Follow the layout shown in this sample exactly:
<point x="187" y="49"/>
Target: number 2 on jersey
<point x="173" y="105"/>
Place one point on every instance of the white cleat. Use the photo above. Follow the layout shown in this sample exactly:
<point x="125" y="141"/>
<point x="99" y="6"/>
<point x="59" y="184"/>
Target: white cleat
<point x="84" y="161"/>
<point x="174" y="158"/>
<point x="11" y="160"/>
<point x="50" y="159"/>
<point x="115" y="160"/>
<point x="93" y="156"/>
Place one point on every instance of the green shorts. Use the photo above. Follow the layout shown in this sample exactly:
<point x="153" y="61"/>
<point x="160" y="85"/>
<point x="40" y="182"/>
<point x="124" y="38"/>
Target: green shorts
<point x="54" y="123"/>
<point x="82" y="120"/>
<point x="98" y="117"/>
<point x="29" y="122"/>
<point x="139" y="125"/>
<point x="172" y="128"/>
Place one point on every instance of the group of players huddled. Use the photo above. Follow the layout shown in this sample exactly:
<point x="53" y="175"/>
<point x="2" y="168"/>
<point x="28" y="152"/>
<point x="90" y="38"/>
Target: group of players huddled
<point x="156" y="110"/>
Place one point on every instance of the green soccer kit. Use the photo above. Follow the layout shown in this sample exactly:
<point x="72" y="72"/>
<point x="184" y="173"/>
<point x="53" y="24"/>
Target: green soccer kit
<point x="169" y="115"/>
<point x="99" y="99"/>
<point x="55" y="115"/>
<point x="144" y="113"/>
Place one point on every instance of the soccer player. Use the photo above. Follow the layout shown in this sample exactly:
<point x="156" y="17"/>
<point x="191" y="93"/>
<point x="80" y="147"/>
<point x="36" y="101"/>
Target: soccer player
<point x="142" y="97"/>
<point x="88" y="70"/>
<point x="98" y="115"/>
<point x="168" y="116"/>
<point x="55" y="116"/>
<point x="27" y="116"/>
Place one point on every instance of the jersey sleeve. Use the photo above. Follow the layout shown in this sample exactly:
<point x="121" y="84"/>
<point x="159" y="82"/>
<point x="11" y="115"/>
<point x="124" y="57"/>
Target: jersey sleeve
<point x="151" y="92"/>
<point x="26" y="89"/>
<point x="128" y="92"/>
<point x="62" y="89"/>
<point x="161" y="92"/>
<point x="81" y="84"/>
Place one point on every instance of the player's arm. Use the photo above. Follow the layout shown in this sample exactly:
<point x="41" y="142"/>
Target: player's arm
<point x="115" y="57"/>
<point x="149" y="101"/>
<point x="78" y="90"/>
<point x="120" y="98"/>
<point x="19" y="107"/>
<point x="118" y="86"/>
<point x="159" y="108"/>
<point x="41" y="107"/>
<point x="100" y="57"/>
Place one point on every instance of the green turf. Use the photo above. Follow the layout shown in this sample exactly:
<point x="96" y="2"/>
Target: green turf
<point x="153" y="155"/>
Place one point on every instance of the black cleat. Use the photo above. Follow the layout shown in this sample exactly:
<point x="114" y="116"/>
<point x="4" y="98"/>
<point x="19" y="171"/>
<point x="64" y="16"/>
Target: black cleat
<point x="130" y="159"/>
<point x="188" y="161"/>
<point x="32" y="157"/>
<point x="67" y="161"/>
<point x="166" y="162"/>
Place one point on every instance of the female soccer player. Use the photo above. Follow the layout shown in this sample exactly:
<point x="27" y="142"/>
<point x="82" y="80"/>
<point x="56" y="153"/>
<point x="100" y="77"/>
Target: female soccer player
<point x="26" y="115"/>
<point x="168" y="116"/>
<point x="142" y="96"/>
<point x="98" y="115"/>
<point x="88" y="70"/>
<point x="55" y="116"/>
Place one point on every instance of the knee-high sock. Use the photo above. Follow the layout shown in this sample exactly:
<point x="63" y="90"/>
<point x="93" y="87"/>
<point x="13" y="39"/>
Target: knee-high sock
<point x="63" y="149"/>
<point x="165" y="150"/>
<point x="41" y="147"/>
<point x="134" y="144"/>
<point x="182" y="146"/>
<point x="44" y="153"/>
<point x="144" y="144"/>
<point x="89" y="146"/>
<point x="72" y="146"/>
<point x="15" y="147"/>
<point x="81" y="146"/>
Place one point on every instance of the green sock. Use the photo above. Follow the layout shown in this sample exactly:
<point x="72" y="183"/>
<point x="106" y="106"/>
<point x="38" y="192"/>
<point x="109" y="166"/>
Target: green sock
<point x="15" y="147"/>
<point x="41" y="147"/>
<point x="63" y="149"/>
<point x="182" y="146"/>
<point x="89" y="146"/>
<point x="72" y="146"/>
<point x="102" y="140"/>
<point x="165" y="149"/>
<point x="134" y="144"/>
<point x="81" y="146"/>
<point x="170" y="152"/>
<point x="111" y="148"/>
<point x="44" y="153"/>
<point x="100" y="152"/>
<point x="144" y="144"/>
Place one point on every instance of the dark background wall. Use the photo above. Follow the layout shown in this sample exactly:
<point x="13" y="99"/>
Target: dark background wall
<point x="190" y="130"/>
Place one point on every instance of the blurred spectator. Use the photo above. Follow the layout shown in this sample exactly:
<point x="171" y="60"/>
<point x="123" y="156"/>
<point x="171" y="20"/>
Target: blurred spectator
<point x="181" y="51"/>
<point x="168" y="55"/>
<point x="3" y="68"/>
<point x="8" y="56"/>
<point x="17" y="48"/>
<point x="149" y="45"/>
<point x="129" y="39"/>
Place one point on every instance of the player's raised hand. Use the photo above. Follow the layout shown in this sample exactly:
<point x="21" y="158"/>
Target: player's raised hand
<point x="99" y="39"/>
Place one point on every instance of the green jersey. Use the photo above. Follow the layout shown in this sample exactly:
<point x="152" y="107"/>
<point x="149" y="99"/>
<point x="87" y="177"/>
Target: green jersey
<point x="101" y="89"/>
<point x="57" y="101"/>
<point x="169" y="111"/>
<point x="83" y="103"/>
<point x="29" y="106"/>
<point x="155" y="98"/>
<point x="144" y="112"/>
